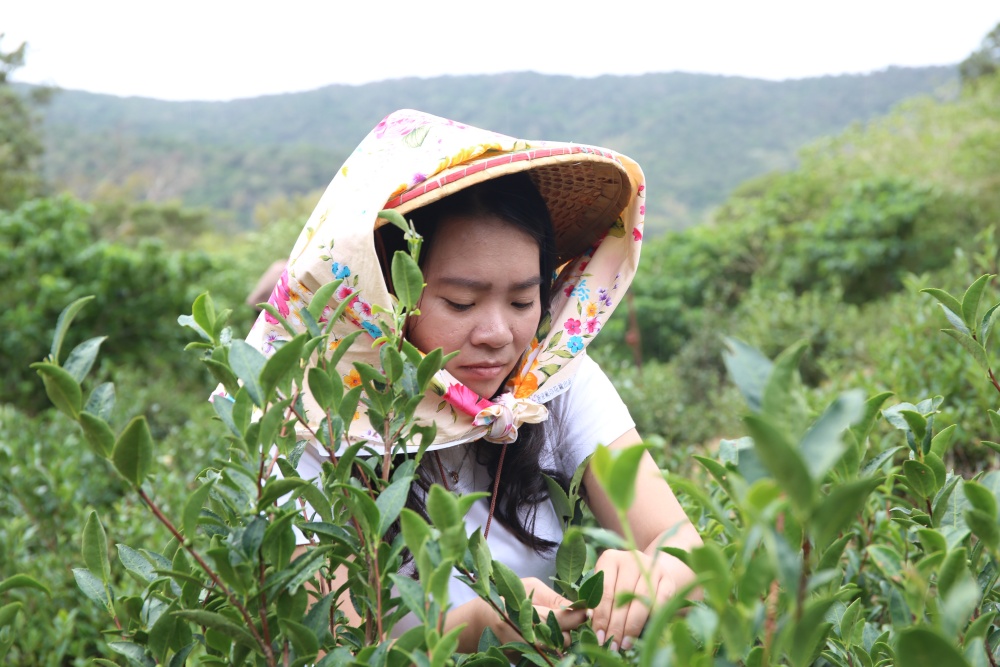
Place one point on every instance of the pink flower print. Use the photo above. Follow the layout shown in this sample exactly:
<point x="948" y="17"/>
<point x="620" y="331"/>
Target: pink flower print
<point x="343" y="292"/>
<point x="641" y="192"/>
<point x="572" y="326"/>
<point x="636" y="234"/>
<point x="569" y="290"/>
<point x="642" y="210"/>
<point x="279" y="298"/>
<point x="398" y="127"/>
<point x="361" y="306"/>
<point x="593" y="325"/>
<point x="465" y="399"/>
<point x="268" y="346"/>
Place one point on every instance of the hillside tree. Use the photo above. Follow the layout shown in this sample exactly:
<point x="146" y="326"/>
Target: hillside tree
<point x="984" y="61"/>
<point x="20" y="145"/>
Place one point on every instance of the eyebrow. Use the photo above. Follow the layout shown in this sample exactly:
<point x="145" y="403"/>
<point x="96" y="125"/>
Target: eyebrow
<point x="469" y="283"/>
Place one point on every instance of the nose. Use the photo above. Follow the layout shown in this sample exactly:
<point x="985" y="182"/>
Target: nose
<point x="492" y="330"/>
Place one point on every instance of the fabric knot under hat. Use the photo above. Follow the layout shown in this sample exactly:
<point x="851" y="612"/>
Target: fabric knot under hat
<point x="505" y="414"/>
<point x="596" y="199"/>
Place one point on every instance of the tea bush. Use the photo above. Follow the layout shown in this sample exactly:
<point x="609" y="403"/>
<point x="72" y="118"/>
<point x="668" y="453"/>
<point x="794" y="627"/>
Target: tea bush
<point x="826" y="544"/>
<point x="51" y="256"/>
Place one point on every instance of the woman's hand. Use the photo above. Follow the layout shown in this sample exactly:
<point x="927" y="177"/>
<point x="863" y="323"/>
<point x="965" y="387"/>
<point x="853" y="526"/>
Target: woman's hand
<point x="479" y="615"/>
<point x="626" y="572"/>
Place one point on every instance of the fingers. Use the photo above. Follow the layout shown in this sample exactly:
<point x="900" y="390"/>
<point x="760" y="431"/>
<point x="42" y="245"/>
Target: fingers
<point x="628" y="572"/>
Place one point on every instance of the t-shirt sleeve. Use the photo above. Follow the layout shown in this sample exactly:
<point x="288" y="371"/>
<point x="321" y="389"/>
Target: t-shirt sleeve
<point x="588" y="414"/>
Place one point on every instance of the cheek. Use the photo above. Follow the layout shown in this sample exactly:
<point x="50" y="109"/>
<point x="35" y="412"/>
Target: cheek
<point x="431" y="330"/>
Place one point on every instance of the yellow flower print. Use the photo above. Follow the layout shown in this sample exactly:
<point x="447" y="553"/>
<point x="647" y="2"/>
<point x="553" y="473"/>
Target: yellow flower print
<point x="591" y="309"/>
<point x="526" y="386"/>
<point x="352" y="379"/>
<point x="333" y="345"/>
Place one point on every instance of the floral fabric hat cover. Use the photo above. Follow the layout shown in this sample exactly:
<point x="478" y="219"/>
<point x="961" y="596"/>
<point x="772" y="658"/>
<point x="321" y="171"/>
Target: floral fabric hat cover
<point x="596" y="198"/>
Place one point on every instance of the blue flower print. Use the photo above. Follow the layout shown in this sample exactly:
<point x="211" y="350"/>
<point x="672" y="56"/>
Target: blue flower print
<point x="575" y="344"/>
<point x="340" y="271"/>
<point x="581" y="291"/>
<point x="372" y="329"/>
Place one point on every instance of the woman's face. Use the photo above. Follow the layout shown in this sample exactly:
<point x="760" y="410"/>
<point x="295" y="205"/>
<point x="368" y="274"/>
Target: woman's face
<point x="482" y="299"/>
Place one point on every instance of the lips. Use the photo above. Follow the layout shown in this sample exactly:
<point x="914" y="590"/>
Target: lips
<point x="484" y="371"/>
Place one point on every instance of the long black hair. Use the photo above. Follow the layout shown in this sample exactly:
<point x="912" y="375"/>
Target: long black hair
<point x="514" y="200"/>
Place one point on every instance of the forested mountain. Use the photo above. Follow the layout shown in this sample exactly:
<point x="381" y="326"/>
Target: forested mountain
<point x="697" y="136"/>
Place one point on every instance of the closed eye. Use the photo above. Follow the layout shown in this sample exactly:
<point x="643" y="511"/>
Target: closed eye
<point x="523" y="305"/>
<point x="460" y="307"/>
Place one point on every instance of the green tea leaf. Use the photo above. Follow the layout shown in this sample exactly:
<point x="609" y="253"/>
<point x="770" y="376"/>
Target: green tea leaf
<point x="954" y="565"/>
<point x="303" y="639"/>
<point x="778" y="401"/>
<point x="782" y="460"/>
<point x="247" y="362"/>
<point x="713" y="570"/>
<point x="809" y="632"/>
<point x="920" y="478"/>
<point x="971" y="345"/>
<point x="981" y="498"/>
<point x="863" y="427"/>
<point x="838" y="509"/>
<point x="92" y="587"/>
<point x="571" y="558"/>
<point x="223" y="375"/>
<point x="61" y="388"/>
<point x="970" y="301"/>
<point x="98" y="434"/>
<point x="133" y="453"/>
<point x="136" y="564"/>
<point x="95" y="547"/>
<point x="984" y="527"/>
<point x="192" y="508"/>
<point x="509" y="585"/>
<point x="321" y="386"/>
<point x="102" y="401"/>
<point x="394" y="216"/>
<point x="203" y="312"/>
<point x="941" y="442"/>
<point x="62" y="326"/>
<point x="322" y="297"/>
<point x="219" y="623"/>
<point x="620" y="483"/>
<point x="592" y="589"/>
<point x="823" y="444"/>
<point x="947" y="300"/>
<point x="407" y="280"/>
<point x="429" y="365"/>
<point x="284" y="359"/>
<point x="921" y="646"/>
<point x="134" y="654"/>
<point x="391" y="501"/>
<point x="887" y="559"/>
<point x="81" y="359"/>
<point x="749" y="370"/>
<point x="442" y="508"/>
<point x="8" y="613"/>
<point x="916" y="421"/>
<point x="989" y="321"/>
<point x="22" y="581"/>
<point x="392" y="362"/>
<point x="415" y="530"/>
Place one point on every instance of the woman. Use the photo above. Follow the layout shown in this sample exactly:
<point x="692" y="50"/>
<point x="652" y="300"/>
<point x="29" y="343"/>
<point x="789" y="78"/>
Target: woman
<point x="529" y="246"/>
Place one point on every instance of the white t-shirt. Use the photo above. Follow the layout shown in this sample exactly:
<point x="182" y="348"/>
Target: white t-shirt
<point x="587" y="413"/>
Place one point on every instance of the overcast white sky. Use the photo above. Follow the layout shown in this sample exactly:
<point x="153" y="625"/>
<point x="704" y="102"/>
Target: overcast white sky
<point x="223" y="49"/>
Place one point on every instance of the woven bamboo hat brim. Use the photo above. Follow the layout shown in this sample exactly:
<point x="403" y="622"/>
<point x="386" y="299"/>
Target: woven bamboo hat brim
<point x="585" y="189"/>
